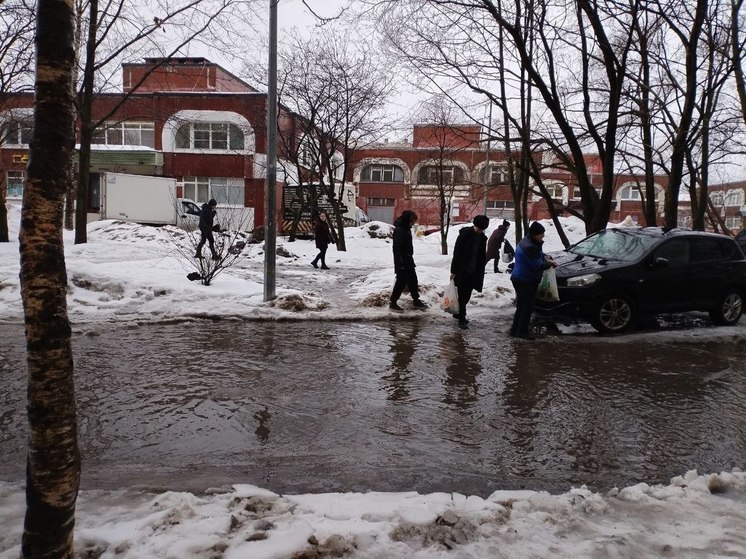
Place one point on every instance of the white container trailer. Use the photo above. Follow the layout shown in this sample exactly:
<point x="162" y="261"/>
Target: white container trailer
<point x="145" y="199"/>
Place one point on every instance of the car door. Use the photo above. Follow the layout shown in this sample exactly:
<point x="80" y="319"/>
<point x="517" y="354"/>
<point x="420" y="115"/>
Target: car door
<point x="664" y="283"/>
<point x="707" y="270"/>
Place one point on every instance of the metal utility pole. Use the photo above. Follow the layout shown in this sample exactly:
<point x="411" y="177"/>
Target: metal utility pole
<point x="488" y="173"/>
<point x="270" y="211"/>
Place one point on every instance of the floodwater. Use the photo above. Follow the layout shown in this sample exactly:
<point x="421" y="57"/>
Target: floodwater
<point x="388" y="406"/>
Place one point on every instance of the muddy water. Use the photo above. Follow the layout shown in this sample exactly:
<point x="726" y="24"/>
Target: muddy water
<point x="405" y="405"/>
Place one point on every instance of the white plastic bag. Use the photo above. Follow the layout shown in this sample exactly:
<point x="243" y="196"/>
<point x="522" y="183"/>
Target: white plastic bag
<point x="507" y="258"/>
<point x="450" y="299"/>
<point x="548" y="287"/>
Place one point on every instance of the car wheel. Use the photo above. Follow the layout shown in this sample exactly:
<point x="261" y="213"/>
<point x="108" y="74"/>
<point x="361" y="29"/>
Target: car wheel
<point x="730" y="309"/>
<point x="614" y="314"/>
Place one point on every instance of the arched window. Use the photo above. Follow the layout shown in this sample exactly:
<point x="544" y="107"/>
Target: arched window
<point x="734" y="197"/>
<point x="216" y="136"/>
<point x="717" y="199"/>
<point x="629" y="192"/>
<point x="382" y="173"/>
<point x="555" y="191"/>
<point x="437" y="174"/>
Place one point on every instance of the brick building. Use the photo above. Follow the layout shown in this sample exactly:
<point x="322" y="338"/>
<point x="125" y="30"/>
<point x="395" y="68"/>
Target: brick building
<point x="188" y="119"/>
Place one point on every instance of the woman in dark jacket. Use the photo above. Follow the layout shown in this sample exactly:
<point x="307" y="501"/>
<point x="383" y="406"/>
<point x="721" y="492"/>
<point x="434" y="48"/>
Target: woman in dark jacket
<point x="323" y="238"/>
<point x="530" y="263"/>
<point x="495" y="242"/>
<point x="404" y="266"/>
<point x="467" y="266"/>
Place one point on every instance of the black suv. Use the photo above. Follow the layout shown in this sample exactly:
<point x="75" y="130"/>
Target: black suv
<point x="613" y="276"/>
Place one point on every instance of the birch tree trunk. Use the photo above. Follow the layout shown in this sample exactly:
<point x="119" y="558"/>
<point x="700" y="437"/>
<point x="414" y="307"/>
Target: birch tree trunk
<point x="53" y="463"/>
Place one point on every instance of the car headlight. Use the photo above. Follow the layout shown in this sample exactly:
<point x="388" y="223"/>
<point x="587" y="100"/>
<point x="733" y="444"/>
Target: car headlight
<point x="583" y="281"/>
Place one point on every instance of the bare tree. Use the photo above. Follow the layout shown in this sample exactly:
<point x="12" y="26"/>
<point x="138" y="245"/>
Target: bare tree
<point x="339" y="91"/>
<point x="17" y="22"/>
<point x="53" y="467"/>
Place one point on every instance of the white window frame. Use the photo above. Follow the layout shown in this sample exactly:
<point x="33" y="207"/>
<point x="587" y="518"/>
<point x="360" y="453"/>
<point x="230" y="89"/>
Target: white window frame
<point x="386" y="173"/>
<point x="17" y="174"/>
<point x="634" y="193"/>
<point x="211" y="136"/>
<point x="110" y="131"/>
<point x="22" y="128"/>
<point x="734" y="198"/>
<point x="717" y="198"/>
<point x="734" y="222"/>
<point x="212" y="187"/>
<point x="176" y="120"/>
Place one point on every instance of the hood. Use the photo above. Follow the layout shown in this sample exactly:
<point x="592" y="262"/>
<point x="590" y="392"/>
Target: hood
<point x="399" y="222"/>
<point x="570" y="264"/>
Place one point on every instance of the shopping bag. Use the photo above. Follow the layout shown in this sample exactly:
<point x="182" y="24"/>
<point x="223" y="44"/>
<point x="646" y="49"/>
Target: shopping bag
<point x="450" y="299"/>
<point x="548" y="287"/>
<point x="507" y="257"/>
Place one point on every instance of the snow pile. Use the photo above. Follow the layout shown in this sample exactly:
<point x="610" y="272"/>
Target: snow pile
<point x="694" y="516"/>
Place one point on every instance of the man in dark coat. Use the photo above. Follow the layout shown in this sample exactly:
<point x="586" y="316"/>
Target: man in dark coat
<point x="206" y="223"/>
<point x="404" y="261"/>
<point x="495" y="242"/>
<point x="322" y="237"/>
<point x="467" y="266"/>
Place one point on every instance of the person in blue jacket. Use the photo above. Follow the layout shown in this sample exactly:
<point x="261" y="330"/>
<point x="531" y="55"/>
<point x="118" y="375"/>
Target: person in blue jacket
<point x="530" y="263"/>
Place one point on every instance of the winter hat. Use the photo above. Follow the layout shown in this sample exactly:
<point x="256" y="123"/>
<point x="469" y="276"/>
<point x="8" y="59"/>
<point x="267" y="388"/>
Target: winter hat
<point x="506" y="223"/>
<point x="536" y="228"/>
<point x="212" y="202"/>
<point x="481" y="221"/>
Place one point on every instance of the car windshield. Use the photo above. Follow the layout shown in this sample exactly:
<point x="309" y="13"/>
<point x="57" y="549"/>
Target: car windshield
<point x="615" y="244"/>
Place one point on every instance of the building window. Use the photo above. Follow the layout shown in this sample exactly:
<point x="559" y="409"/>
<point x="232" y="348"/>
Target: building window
<point x="733" y="222"/>
<point x="734" y="198"/>
<point x="382" y="173"/>
<point x="216" y="136"/>
<point x="555" y="191"/>
<point x="437" y="174"/>
<point x="226" y="191"/>
<point x="717" y="199"/>
<point x="125" y="134"/>
<point x="381" y="202"/>
<point x="629" y="192"/>
<point x="15" y="180"/>
<point x="500" y="204"/>
<point x="497" y="175"/>
<point x="16" y="133"/>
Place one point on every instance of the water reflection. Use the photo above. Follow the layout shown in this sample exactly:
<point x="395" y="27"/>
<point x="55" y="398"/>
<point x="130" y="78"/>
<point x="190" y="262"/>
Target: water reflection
<point x="463" y="366"/>
<point x="403" y="346"/>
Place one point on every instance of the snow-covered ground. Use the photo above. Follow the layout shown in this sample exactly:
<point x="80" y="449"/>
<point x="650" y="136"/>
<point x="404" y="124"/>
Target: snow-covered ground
<point x="128" y="272"/>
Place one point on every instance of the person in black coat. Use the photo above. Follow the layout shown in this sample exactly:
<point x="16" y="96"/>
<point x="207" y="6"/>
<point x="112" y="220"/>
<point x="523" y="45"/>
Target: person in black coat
<point x="323" y="238"/>
<point x="404" y="266"/>
<point x="495" y="242"/>
<point x="206" y="223"/>
<point x="467" y="266"/>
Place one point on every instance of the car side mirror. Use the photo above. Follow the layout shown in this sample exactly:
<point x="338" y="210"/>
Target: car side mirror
<point x="660" y="262"/>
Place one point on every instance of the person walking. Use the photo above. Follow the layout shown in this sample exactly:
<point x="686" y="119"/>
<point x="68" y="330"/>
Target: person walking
<point x="206" y="224"/>
<point x="467" y="266"/>
<point x="530" y="263"/>
<point x="495" y="242"/>
<point x="404" y="266"/>
<point x="323" y="237"/>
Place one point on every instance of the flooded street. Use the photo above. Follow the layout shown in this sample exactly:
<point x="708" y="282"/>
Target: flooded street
<point x="390" y="406"/>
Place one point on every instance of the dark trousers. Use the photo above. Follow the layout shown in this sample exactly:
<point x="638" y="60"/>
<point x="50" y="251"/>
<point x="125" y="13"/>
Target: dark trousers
<point x="465" y="287"/>
<point x="525" y="295"/>
<point x="497" y="262"/>
<point x="206" y="237"/>
<point x="407" y="277"/>
<point x="321" y="256"/>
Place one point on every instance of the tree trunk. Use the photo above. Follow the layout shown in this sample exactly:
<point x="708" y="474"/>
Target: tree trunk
<point x="53" y="464"/>
<point x="4" y="235"/>
<point x="86" y="128"/>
